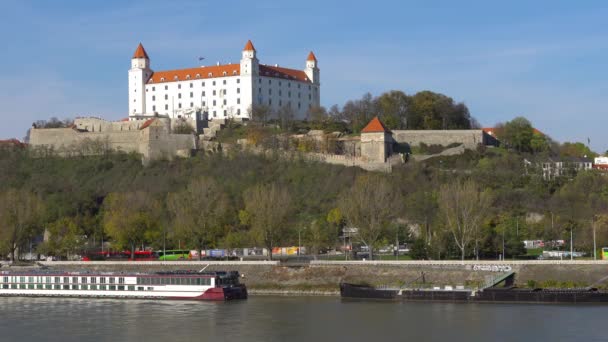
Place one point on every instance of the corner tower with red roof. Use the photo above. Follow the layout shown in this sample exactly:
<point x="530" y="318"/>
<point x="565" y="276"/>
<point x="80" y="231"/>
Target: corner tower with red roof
<point x="221" y="90"/>
<point x="138" y="76"/>
<point x="376" y="142"/>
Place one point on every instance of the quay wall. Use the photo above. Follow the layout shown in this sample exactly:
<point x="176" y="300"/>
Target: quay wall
<point x="324" y="277"/>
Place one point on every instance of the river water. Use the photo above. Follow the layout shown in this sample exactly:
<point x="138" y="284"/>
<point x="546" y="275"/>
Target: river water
<point x="294" y="319"/>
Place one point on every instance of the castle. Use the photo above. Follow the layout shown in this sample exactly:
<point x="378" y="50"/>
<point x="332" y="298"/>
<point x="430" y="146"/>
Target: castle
<point x="221" y="91"/>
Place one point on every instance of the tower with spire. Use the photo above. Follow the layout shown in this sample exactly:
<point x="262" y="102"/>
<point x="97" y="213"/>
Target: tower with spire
<point x="138" y="76"/>
<point x="312" y="70"/>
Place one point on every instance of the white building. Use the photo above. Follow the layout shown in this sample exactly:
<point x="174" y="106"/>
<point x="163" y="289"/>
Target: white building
<point x="222" y="90"/>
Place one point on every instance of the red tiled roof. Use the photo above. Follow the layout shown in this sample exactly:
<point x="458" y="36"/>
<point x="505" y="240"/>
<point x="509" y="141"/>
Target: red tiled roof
<point x="311" y="57"/>
<point x="291" y="74"/>
<point x="11" y="142"/>
<point x="140" y="52"/>
<point x="375" y="126"/>
<point x="249" y="46"/>
<point x="195" y="73"/>
<point x="147" y="123"/>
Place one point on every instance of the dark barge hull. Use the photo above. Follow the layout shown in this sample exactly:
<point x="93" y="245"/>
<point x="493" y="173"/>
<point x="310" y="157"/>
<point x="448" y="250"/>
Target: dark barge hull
<point x="491" y="295"/>
<point x="366" y="292"/>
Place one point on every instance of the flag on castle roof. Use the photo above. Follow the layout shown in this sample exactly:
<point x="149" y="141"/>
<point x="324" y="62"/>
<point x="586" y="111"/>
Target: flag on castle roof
<point x="375" y="126"/>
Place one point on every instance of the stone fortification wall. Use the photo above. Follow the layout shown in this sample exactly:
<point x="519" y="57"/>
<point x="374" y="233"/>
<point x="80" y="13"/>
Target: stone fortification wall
<point x="92" y="135"/>
<point x="468" y="138"/>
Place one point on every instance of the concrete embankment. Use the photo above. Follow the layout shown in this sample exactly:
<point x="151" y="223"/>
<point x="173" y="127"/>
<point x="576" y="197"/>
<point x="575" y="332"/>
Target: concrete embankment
<point x="323" y="278"/>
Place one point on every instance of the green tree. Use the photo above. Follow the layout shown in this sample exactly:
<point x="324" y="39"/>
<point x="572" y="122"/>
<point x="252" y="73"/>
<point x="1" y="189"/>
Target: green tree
<point x="267" y="210"/>
<point x="20" y="212"/>
<point x="64" y="238"/>
<point x="518" y="134"/>
<point x="429" y="110"/>
<point x="198" y="212"/>
<point x="130" y="218"/>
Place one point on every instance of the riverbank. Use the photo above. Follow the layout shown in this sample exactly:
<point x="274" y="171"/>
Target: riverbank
<point x="323" y="278"/>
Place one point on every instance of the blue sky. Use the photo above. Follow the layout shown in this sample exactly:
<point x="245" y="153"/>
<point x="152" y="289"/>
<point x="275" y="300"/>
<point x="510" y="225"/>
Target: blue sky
<point x="545" y="60"/>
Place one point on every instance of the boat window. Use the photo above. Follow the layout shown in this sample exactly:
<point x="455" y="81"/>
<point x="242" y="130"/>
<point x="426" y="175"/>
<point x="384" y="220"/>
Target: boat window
<point x="93" y="280"/>
<point x="83" y="280"/>
<point x="112" y="280"/>
<point x="75" y="280"/>
<point x="102" y="280"/>
<point x="31" y="279"/>
<point x="131" y="288"/>
<point x="121" y="287"/>
<point x="57" y="280"/>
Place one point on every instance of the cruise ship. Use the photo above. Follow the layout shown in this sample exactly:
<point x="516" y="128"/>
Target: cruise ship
<point x="189" y="285"/>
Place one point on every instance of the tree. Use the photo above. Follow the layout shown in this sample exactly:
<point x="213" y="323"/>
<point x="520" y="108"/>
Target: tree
<point x="198" y="212"/>
<point x="267" y="210"/>
<point x="319" y="234"/>
<point x="576" y="149"/>
<point x="130" y="218"/>
<point x="20" y="211"/>
<point x="285" y="115"/>
<point x="429" y="110"/>
<point x="368" y="206"/>
<point x="422" y="206"/>
<point x="518" y="134"/>
<point x="259" y="113"/>
<point x="393" y="109"/>
<point x="65" y="238"/>
<point x="463" y="207"/>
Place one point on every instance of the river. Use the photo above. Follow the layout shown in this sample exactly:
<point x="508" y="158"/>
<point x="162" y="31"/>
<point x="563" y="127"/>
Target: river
<point x="294" y="319"/>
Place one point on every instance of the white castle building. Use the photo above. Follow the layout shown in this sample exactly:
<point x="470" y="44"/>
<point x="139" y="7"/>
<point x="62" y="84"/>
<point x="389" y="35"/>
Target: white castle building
<point x="222" y="90"/>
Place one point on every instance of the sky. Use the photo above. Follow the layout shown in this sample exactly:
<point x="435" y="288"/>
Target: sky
<point x="544" y="60"/>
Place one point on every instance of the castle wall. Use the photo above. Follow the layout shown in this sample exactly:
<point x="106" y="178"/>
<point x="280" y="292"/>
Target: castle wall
<point x="468" y="138"/>
<point x="68" y="140"/>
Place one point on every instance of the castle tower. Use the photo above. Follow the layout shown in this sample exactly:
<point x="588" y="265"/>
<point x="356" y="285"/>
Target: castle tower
<point x="376" y="142"/>
<point x="138" y="76"/>
<point x="312" y="70"/>
<point x="249" y="61"/>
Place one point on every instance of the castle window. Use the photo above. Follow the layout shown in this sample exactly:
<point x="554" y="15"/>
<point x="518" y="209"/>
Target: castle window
<point x="234" y="72"/>
<point x="224" y="112"/>
<point x="288" y="84"/>
<point x="238" y="100"/>
<point x="299" y="105"/>
<point x="224" y="102"/>
<point x="308" y="87"/>
<point x="224" y="81"/>
<point x="289" y="94"/>
<point x="179" y="86"/>
<point x="213" y="82"/>
<point x="203" y="84"/>
<point x="279" y="92"/>
<point x="238" y="80"/>
<point x="179" y="105"/>
<point x="166" y="87"/>
<point x="260" y="90"/>
<point x="238" y="111"/>
<point x="191" y="94"/>
<point x="166" y="97"/>
<point x="298" y="86"/>
<point x="198" y="76"/>
<point x="269" y="91"/>
<point x="166" y="107"/>
<point x="210" y="74"/>
<point x="162" y="79"/>
<point x="191" y="104"/>
<point x="280" y="103"/>
<point x="213" y="103"/>
<point x="153" y="98"/>
<point x="187" y="77"/>
<point x="259" y="80"/>
<point x="153" y="88"/>
<point x="191" y="85"/>
<point x="299" y="95"/>
<point x="269" y="81"/>
<point x="238" y="90"/>
<point x="154" y="108"/>
<point x="309" y="97"/>
<point x="214" y="93"/>
<point x="279" y="83"/>
<point x="204" y="103"/>
<point x="175" y="77"/>
<point x="224" y="73"/>
<point x="179" y="96"/>
<point x="203" y="93"/>
<point x="224" y="91"/>
<point x="213" y="113"/>
<point x="270" y="102"/>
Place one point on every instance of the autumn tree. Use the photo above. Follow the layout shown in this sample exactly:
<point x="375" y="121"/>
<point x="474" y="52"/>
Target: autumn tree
<point x="463" y="207"/>
<point x="267" y="208"/>
<point x="198" y="212"/>
<point x="130" y="218"/>
<point x="20" y="211"/>
<point x="369" y="206"/>
<point x="64" y="238"/>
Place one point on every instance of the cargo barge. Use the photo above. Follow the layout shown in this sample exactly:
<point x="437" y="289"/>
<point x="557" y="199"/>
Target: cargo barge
<point x="488" y="295"/>
<point x="188" y="285"/>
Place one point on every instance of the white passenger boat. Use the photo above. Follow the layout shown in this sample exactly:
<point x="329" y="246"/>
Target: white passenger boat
<point x="162" y="285"/>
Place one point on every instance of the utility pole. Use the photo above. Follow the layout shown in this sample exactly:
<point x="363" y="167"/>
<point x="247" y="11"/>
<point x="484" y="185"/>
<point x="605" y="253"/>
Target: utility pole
<point x="571" y="246"/>
<point x="594" y="245"/>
